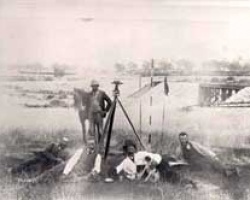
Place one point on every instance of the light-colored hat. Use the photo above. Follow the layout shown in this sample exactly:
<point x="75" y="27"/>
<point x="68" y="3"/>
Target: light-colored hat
<point x="64" y="141"/>
<point x="94" y="83"/>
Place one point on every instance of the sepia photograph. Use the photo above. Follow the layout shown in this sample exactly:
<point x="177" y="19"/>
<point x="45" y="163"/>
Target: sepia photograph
<point x="125" y="100"/>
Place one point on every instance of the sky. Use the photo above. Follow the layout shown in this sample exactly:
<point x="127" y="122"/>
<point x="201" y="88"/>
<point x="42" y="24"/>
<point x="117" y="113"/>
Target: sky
<point x="98" y="33"/>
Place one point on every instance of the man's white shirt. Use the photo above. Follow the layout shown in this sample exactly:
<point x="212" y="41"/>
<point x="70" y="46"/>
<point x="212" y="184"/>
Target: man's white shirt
<point x="129" y="166"/>
<point x="141" y="155"/>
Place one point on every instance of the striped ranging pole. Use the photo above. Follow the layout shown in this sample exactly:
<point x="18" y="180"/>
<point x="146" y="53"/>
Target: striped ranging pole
<point x="152" y="73"/>
<point x="140" y="111"/>
<point x="151" y="101"/>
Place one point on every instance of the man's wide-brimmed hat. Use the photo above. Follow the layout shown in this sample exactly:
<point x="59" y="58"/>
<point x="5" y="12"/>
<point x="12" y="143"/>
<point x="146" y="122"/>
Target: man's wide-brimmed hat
<point x="129" y="146"/>
<point x="94" y="83"/>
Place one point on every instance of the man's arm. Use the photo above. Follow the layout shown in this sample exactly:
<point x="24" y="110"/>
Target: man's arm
<point x="205" y="151"/>
<point x="52" y="157"/>
<point x="108" y="101"/>
<point x="120" y="167"/>
<point x="48" y="153"/>
<point x="128" y="168"/>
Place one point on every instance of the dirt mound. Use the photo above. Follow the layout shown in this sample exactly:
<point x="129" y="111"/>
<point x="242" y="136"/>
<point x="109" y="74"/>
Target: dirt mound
<point x="243" y="96"/>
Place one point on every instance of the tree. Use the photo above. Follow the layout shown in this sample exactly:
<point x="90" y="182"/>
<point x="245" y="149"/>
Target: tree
<point x="146" y="67"/>
<point x="185" y="65"/>
<point x="119" y="67"/>
<point x="164" y="66"/>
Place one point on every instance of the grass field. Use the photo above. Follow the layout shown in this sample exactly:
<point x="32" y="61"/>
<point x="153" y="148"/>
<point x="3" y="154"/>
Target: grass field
<point x="224" y="130"/>
<point x="20" y="142"/>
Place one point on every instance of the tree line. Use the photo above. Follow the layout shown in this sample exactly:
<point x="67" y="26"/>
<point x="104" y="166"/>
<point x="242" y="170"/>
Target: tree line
<point x="185" y="67"/>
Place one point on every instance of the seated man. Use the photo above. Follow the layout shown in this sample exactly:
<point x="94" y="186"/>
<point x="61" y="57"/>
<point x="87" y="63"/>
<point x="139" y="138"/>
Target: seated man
<point x="157" y="167"/>
<point x="126" y="168"/>
<point x="146" y="166"/>
<point x="53" y="155"/>
<point x="135" y="166"/>
<point x="198" y="156"/>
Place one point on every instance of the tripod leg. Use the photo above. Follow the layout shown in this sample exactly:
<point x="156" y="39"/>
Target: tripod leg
<point x="109" y="131"/>
<point x="130" y="122"/>
<point x="107" y="122"/>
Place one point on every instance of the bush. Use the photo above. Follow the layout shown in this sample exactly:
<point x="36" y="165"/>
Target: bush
<point x="215" y="80"/>
<point x="230" y="79"/>
<point x="244" y="80"/>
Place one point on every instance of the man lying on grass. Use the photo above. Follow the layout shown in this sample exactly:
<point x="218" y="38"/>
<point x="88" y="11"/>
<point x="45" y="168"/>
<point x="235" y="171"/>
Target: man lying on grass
<point x="200" y="157"/>
<point x="50" y="157"/>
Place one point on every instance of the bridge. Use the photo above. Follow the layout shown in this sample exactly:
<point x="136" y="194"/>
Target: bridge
<point x="211" y="94"/>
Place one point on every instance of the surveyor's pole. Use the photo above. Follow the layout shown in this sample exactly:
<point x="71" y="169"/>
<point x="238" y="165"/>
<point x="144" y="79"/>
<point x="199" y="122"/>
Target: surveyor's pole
<point x="166" y="91"/>
<point x="163" y="122"/>
<point x="152" y="73"/>
<point x="140" y="110"/>
<point x="151" y="101"/>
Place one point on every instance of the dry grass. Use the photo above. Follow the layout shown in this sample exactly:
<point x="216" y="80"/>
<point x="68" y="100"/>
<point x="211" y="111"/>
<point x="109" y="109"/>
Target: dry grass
<point x="19" y="141"/>
<point x="44" y="126"/>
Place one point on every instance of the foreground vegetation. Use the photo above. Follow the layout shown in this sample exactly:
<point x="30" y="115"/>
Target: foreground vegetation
<point x="17" y="143"/>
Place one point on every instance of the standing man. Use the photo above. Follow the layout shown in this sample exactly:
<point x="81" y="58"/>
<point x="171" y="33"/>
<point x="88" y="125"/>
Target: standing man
<point x="100" y="104"/>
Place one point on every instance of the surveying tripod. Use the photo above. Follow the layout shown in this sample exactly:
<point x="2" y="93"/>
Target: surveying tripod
<point x="108" y="127"/>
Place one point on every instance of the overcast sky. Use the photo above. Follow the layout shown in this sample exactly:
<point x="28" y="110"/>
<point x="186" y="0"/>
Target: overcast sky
<point x="98" y="33"/>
